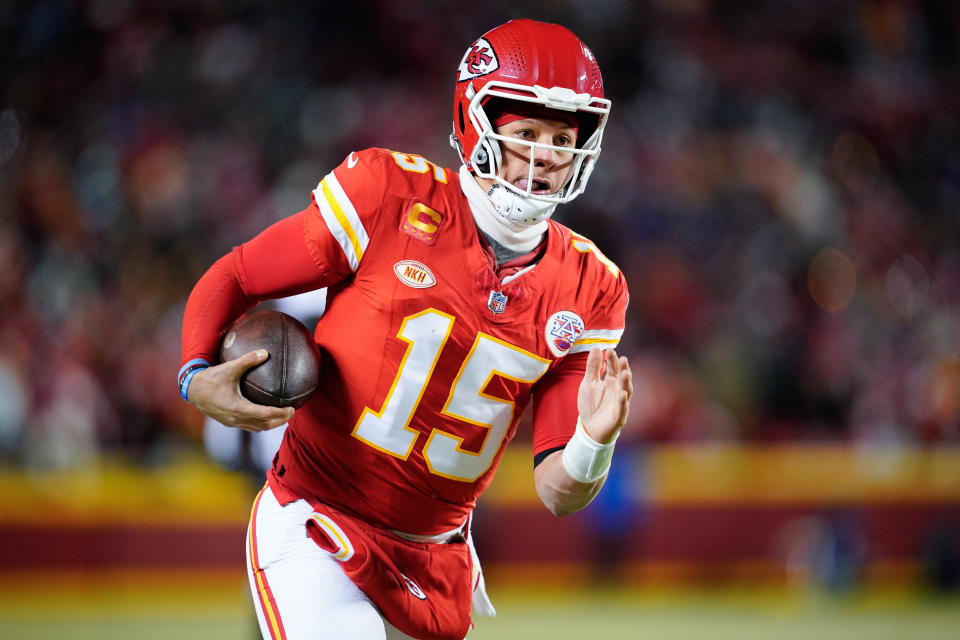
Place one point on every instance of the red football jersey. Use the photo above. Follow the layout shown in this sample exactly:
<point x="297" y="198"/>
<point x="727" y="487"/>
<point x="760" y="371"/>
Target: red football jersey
<point x="430" y="355"/>
<point x="429" y="359"/>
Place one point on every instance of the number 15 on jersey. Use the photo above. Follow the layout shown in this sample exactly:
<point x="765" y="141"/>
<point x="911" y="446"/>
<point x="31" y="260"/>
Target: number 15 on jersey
<point x="389" y="430"/>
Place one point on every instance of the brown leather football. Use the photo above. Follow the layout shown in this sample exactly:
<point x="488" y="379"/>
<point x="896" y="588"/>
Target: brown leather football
<point x="290" y="374"/>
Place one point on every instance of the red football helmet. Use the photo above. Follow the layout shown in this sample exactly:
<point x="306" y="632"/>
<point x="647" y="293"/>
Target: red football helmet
<point x="545" y="66"/>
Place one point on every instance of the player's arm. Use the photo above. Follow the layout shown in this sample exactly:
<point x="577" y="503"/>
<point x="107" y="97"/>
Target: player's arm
<point x="322" y="245"/>
<point x="567" y="479"/>
<point x="275" y="264"/>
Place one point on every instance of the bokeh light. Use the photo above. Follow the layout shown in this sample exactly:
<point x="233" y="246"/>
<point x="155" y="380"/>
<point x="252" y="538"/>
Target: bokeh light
<point x="832" y="279"/>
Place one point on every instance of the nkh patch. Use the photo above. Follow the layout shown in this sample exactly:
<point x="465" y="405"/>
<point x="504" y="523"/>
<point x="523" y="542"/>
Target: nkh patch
<point x="414" y="274"/>
<point x="497" y="302"/>
<point x="421" y="222"/>
<point x="562" y="330"/>
<point x="479" y="60"/>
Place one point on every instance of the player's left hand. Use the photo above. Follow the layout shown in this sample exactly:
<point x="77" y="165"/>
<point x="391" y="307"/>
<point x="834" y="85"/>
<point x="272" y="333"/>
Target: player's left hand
<point x="603" y="400"/>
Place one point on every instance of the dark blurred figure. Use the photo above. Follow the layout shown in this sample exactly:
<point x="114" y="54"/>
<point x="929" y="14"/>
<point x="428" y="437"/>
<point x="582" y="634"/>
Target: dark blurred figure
<point x="844" y="552"/>
<point x="941" y="556"/>
<point x="614" y="519"/>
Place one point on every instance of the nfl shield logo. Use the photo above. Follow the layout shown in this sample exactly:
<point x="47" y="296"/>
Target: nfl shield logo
<point x="497" y="302"/>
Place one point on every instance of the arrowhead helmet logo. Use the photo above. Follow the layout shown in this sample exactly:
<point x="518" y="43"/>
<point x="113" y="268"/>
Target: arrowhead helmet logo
<point x="479" y="60"/>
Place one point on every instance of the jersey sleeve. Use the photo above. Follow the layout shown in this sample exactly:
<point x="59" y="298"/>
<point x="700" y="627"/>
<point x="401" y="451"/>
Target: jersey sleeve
<point x="603" y="327"/>
<point x="555" y="404"/>
<point x="555" y="397"/>
<point x="320" y="246"/>
<point x="346" y="205"/>
<point x="274" y="264"/>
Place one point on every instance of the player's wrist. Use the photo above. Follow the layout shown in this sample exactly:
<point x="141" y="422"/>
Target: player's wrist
<point x="585" y="459"/>
<point x="186" y="374"/>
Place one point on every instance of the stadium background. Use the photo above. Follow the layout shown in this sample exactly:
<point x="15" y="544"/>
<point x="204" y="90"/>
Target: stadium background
<point x="780" y="181"/>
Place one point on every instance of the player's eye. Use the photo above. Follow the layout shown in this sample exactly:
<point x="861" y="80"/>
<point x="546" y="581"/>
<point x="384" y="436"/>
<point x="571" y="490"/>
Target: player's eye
<point x="563" y="140"/>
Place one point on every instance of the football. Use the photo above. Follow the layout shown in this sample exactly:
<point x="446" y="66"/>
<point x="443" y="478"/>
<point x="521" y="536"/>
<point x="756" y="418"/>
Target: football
<point x="290" y="374"/>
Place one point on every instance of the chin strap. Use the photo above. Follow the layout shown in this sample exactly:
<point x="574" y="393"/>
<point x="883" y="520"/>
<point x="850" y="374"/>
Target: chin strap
<point x="517" y="208"/>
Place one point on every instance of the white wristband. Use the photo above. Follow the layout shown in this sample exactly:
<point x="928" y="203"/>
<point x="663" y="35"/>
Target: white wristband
<point x="585" y="459"/>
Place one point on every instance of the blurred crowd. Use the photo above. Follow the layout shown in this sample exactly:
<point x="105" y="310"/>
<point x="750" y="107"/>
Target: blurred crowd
<point x="780" y="182"/>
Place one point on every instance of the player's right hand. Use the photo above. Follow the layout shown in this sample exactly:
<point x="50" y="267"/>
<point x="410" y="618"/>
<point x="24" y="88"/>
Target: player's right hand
<point x="216" y="392"/>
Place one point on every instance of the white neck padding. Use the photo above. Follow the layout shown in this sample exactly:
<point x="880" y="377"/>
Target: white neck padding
<point x="514" y="235"/>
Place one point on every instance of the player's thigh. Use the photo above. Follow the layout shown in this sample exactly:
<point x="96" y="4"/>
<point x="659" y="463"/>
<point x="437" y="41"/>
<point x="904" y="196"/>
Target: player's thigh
<point x="300" y="592"/>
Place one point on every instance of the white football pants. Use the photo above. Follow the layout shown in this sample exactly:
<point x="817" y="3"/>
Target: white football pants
<point x="299" y="591"/>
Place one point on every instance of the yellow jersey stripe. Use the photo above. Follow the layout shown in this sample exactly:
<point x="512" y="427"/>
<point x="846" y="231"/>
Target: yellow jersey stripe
<point x="607" y="338"/>
<point x="348" y="209"/>
<point x="342" y="219"/>
<point x="333" y="530"/>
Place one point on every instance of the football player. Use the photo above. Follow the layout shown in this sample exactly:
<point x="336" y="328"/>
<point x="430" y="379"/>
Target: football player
<point x="454" y="301"/>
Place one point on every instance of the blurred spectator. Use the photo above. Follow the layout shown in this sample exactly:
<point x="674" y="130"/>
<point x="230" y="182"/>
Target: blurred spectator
<point x="824" y="551"/>
<point x="782" y="191"/>
<point x="616" y="516"/>
<point x="941" y="557"/>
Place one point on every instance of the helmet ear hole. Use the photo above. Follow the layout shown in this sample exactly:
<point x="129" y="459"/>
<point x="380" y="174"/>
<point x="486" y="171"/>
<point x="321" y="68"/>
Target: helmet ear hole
<point x="482" y="157"/>
<point x="460" y="117"/>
